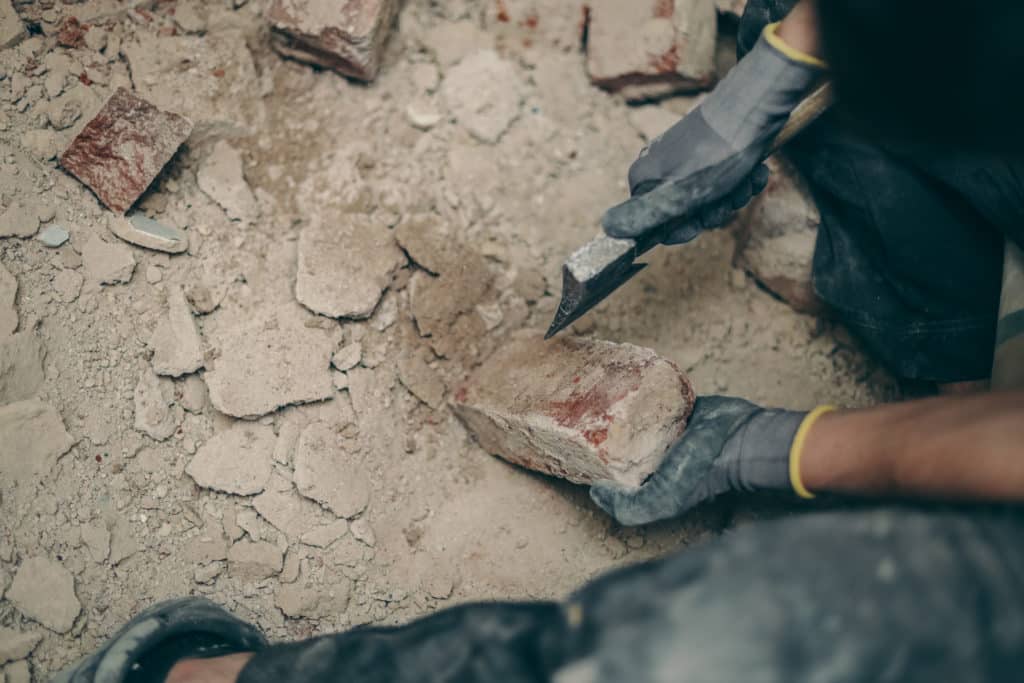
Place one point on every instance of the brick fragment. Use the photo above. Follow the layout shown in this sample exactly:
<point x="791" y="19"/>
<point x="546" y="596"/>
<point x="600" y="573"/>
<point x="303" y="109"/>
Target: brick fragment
<point x="651" y="48"/>
<point x="578" y="409"/>
<point x="122" y="150"/>
<point x="776" y="236"/>
<point x="347" y="36"/>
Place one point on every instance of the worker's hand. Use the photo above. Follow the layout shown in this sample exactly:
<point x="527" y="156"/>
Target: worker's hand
<point x="729" y="445"/>
<point x="702" y="170"/>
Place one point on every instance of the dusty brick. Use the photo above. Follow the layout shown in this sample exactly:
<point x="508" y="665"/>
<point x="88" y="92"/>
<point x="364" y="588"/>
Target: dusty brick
<point x="651" y="48"/>
<point x="776" y="235"/>
<point x="575" y="408"/>
<point x="344" y="35"/>
<point x="122" y="150"/>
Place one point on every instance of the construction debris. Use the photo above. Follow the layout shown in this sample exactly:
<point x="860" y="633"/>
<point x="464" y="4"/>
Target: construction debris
<point x="34" y="438"/>
<point x="107" y="263"/>
<point x="254" y="560"/>
<point x="221" y="178"/>
<point x="484" y="93"/>
<point x="21" y="367"/>
<point x="581" y="410"/>
<point x="326" y="472"/>
<point x="19" y="220"/>
<point x="8" y="309"/>
<point x="236" y="460"/>
<point x="44" y="591"/>
<point x="669" y="48"/>
<point x="146" y="232"/>
<point x="15" y="645"/>
<point x="53" y="236"/>
<point x="362" y="248"/>
<point x="12" y="29"/>
<point x="156" y="415"/>
<point x="120" y="152"/>
<point x="347" y="36"/>
<point x="177" y="346"/>
<point x="776" y="237"/>
<point x="290" y="513"/>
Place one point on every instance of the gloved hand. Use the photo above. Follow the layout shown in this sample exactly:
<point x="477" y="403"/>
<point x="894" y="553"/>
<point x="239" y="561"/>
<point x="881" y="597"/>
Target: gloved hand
<point x="729" y="445"/>
<point x="697" y="174"/>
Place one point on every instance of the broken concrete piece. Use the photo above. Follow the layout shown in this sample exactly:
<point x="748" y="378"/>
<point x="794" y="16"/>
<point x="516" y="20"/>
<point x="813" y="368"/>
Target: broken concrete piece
<point x="347" y="357"/>
<point x="8" y="309"/>
<point x="19" y="220"/>
<point x="421" y="380"/>
<point x="287" y="511"/>
<point x="177" y="346"/>
<point x="347" y="36"/>
<point x="776" y="237"/>
<point x="485" y="94"/>
<point x="222" y="179"/>
<point x="155" y="413"/>
<point x="237" y="460"/>
<point x="33" y="438"/>
<point x="21" y="367"/>
<point x="325" y="472"/>
<point x="324" y="536"/>
<point x="96" y="538"/>
<point x="122" y="542"/>
<point x="12" y="29"/>
<point x="254" y="560"/>
<point x="273" y="361"/>
<point x="53" y="236"/>
<point x="43" y="590"/>
<point x="420" y="237"/>
<point x="107" y="263"/>
<point x="146" y="232"/>
<point x="652" y="48"/>
<point x="578" y="409"/>
<point x="15" y="645"/>
<point x="67" y="284"/>
<point x="17" y="672"/>
<point x="363" y="532"/>
<point x="123" y="149"/>
<point x="304" y="599"/>
<point x="345" y="268"/>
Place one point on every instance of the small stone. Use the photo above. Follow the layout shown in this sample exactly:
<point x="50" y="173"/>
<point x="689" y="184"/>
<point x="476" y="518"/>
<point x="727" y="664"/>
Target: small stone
<point x="177" y="346"/>
<point x="363" y="532"/>
<point x="15" y="645"/>
<point x="97" y="539"/>
<point x="303" y="599"/>
<point x="155" y="414"/>
<point x="42" y="144"/>
<point x="326" y="472"/>
<point x="776" y="237"/>
<point x="12" y="29"/>
<point x="222" y="179"/>
<point x="667" y="49"/>
<point x="485" y="94"/>
<point x="345" y="268"/>
<point x="287" y="511"/>
<point x="439" y="587"/>
<point x="347" y="36"/>
<point x="293" y="361"/>
<point x="122" y="150"/>
<point x="21" y="366"/>
<point x="190" y="17"/>
<point x="142" y="231"/>
<point x="107" y="263"/>
<point x="19" y="220"/>
<point x="8" y="308"/>
<point x="64" y="111"/>
<point x="324" y="536"/>
<point x="193" y="394"/>
<point x="422" y="113"/>
<point x="154" y="275"/>
<point x="67" y="284"/>
<point x="254" y="560"/>
<point x="44" y="591"/>
<point x="33" y="438"/>
<point x="207" y="573"/>
<point x="53" y="236"/>
<point x="340" y="380"/>
<point x="237" y="460"/>
<point x="578" y="409"/>
<point x="491" y="314"/>
<point x="421" y="381"/>
<point x="347" y="357"/>
<point x="204" y="299"/>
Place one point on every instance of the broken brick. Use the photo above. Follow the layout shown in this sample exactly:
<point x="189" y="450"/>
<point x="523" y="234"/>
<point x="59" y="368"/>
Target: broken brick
<point x="347" y="36"/>
<point x="668" y="48"/>
<point x="776" y="237"/>
<point x="578" y="409"/>
<point x="122" y="150"/>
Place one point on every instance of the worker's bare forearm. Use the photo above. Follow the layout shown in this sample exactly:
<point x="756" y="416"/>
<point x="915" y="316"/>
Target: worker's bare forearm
<point x="960" y="447"/>
<point x="800" y="28"/>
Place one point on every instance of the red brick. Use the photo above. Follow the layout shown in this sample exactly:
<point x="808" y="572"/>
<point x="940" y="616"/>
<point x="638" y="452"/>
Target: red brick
<point x="123" y="149"/>
<point x="651" y="48"/>
<point x="347" y="36"/>
<point x="576" y="408"/>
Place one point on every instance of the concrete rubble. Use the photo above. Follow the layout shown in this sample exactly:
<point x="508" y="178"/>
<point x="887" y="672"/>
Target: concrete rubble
<point x="254" y="560"/>
<point x="156" y="414"/>
<point x="107" y="263"/>
<point x="121" y="151"/>
<point x="577" y="409"/>
<point x="44" y="591"/>
<point x="361" y="247"/>
<point x="53" y="236"/>
<point x="176" y="344"/>
<point x="146" y="232"/>
<point x="12" y="29"/>
<point x="34" y="438"/>
<point x="15" y="645"/>
<point x="776" y="237"/>
<point x="21" y="366"/>
<point x="19" y="220"/>
<point x="325" y="471"/>
<point x="484" y="94"/>
<point x="668" y="49"/>
<point x="221" y="178"/>
<point x="347" y="36"/>
<point x="8" y="309"/>
<point x="237" y="460"/>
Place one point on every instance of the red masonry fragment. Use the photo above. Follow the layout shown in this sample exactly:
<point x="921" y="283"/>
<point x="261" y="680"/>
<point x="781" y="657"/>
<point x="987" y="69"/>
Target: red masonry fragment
<point x="122" y="150"/>
<point x="651" y="48"/>
<point x="72" y="33"/>
<point x="578" y="409"/>
<point x="347" y="36"/>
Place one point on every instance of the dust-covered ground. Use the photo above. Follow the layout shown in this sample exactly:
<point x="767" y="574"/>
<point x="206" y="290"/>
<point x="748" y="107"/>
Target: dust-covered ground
<point x="418" y="518"/>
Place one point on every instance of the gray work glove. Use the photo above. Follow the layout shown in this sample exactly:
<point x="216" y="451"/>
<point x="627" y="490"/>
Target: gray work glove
<point x="729" y="445"/>
<point x="697" y="174"/>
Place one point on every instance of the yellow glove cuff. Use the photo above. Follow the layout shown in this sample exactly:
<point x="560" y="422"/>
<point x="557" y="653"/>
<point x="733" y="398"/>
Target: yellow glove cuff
<point x="771" y="34"/>
<point x="796" y="451"/>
